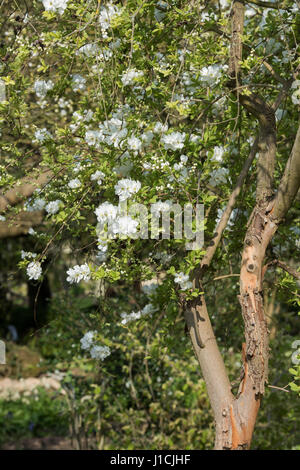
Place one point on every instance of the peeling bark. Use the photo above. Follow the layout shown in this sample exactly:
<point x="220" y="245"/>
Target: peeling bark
<point x="235" y="417"/>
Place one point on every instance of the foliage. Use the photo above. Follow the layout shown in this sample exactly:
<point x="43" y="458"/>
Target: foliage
<point x="35" y="415"/>
<point x="129" y="101"/>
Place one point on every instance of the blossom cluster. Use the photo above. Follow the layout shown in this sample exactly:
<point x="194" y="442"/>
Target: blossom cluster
<point x="78" y="82"/>
<point x="102" y="246"/>
<point x="112" y="132"/>
<point x="160" y="206"/>
<point x="58" y="6"/>
<point x="183" y="280"/>
<point x="79" y="273"/>
<point x="53" y="206"/>
<point x="212" y="73"/>
<point x="107" y="213"/>
<point x="128" y="317"/>
<point x="107" y="13"/>
<point x="126" y="187"/>
<point x="173" y="141"/>
<point x="36" y="204"/>
<point x="131" y="76"/>
<point x="28" y="254"/>
<point x="74" y="183"/>
<point x="96" y="351"/>
<point x="296" y="94"/>
<point x="218" y="176"/>
<point x="98" y="176"/>
<point x="124" y="225"/>
<point x="34" y="270"/>
<point x="41" y="87"/>
<point x="42" y="134"/>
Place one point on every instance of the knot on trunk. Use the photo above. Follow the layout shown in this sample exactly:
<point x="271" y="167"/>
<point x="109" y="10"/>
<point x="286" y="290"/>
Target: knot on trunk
<point x="251" y="267"/>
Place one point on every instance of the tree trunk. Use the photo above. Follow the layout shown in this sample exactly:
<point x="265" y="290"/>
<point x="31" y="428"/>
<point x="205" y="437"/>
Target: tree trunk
<point x="235" y="432"/>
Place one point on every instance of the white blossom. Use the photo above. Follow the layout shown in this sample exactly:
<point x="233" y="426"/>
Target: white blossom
<point x="34" y="270"/>
<point x="42" y="134"/>
<point x="100" y="352"/>
<point x="124" y="226"/>
<point x="53" y="206"/>
<point x="218" y="154"/>
<point x="150" y="287"/>
<point x="160" y="13"/>
<point x="94" y="137"/>
<point x="87" y="340"/>
<point x="106" y="212"/>
<point x="160" y="128"/>
<point x="101" y="256"/>
<point x="149" y="309"/>
<point x="183" y="280"/>
<point x="129" y="317"/>
<point x="186" y="285"/>
<point x="78" y="82"/>
<point x="102" y="245"/>
<point x="160" y="206"/>
<point x="37" y="204"/>
<point x="179" y="278"/>
<point x="58" y="6"/>
<point x="147" y="137"/>
<point x="74" y="183"/>
<point x="41" y="87"/>
<point x="88" y="50"/>
<point x="27" y="254"/>
<point x="134" y="143"/>
<point x="211" y="74"/>
<point x="173" y="141"/>
<point x="296" y="95"/>
<point x="224" y="3"/>
<point x="107" y="13"/>
<point x="163" y="257"/>
<point x="96" y="351"/>
<point x="183" y="159"/>
<point x="126" y="187"/>
<point x="218" y="176"/>
<point x="98" y="176"/>
<point x="79" y="273"/>
<point x="131" y="76"/>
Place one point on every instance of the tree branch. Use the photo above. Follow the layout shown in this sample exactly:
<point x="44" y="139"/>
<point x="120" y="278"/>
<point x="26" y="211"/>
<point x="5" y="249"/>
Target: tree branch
<point x="255" y="105"/>
<point x="259" y="3"/>
<point x="20" y="224"/>
<point x="24" y="189"/>
<point x="290" y="183"/>
<point x="281" y="264"/>
<point x="227" y="212"/>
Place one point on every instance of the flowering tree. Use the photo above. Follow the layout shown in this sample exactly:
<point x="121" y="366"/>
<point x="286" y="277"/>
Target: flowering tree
<point x="152" y="104"/>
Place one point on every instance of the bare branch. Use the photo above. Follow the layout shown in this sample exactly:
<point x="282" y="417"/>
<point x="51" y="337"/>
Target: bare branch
<point x="227" y="212"/>
<point x="254" y="104"/>
<point x="236" y="45"/>
<point x="259" y="3"/>
<point x="281" y="264"/>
